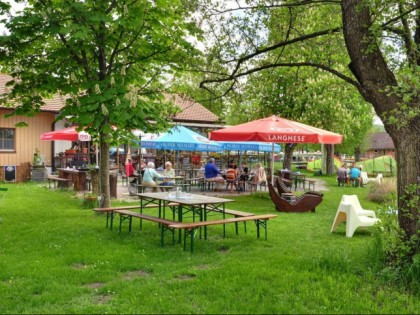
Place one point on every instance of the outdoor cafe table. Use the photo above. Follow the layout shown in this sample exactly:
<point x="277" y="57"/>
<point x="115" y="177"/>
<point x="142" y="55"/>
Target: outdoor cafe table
<point x="197" y="204"/>
<point x="77" y="177"/>
<point x="297" y="179"/>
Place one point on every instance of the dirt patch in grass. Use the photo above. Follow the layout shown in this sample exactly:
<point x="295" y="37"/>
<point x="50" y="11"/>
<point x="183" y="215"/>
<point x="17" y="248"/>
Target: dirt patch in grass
<point x="203" y="267"/>
<point x="223" y="249"/>
<point x="136" y="273"/>
<point x="95" y="285"/>
<point x="79" y="266"/>
<point x="186" y="276"/>
<point x="101" y="299"/>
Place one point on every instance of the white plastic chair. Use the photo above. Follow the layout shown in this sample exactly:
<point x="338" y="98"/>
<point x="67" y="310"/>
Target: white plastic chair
<point x="364" y="176"/>
<point x="347" y="213"/>
<point x="354" y="200"/>
<point x="379" y="178"/>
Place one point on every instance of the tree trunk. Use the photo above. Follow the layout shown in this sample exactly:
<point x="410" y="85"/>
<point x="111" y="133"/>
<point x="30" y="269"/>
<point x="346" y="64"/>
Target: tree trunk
<point x="330" y="167"/>
<point x="369" y="67"/>
<point x="357" y="154"/>
<point x="288" y="155"/>
<point x="94" y="175"/>
<point x="105" y="193"/>
<point x="408" y="169"/>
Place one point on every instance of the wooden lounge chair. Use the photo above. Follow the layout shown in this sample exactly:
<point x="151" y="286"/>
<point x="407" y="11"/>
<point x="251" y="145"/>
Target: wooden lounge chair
<point x="282" y="188"/>
<point x="304" y="203"/>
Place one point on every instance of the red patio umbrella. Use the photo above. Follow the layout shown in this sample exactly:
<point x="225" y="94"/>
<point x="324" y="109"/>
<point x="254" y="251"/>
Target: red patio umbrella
<point x="68" y="134"/>
<point x="275" y="129"/>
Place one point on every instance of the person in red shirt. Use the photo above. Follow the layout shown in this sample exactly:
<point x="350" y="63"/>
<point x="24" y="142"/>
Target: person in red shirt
<point x="129" y="171"/>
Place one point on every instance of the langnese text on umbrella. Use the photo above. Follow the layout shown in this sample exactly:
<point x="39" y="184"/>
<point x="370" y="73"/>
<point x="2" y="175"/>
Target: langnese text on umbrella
<point x="286" y="138"/>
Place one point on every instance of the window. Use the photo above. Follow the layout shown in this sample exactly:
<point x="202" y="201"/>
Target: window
<point x="7" y="139"/>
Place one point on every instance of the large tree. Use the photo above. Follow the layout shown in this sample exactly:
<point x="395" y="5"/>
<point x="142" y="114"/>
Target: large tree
<point x="382" y="40"/>
<point x="108" y="57"/>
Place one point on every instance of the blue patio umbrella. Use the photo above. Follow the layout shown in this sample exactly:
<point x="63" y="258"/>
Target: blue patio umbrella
<point x="248" y="146"/>
<point x="180" y="138"/>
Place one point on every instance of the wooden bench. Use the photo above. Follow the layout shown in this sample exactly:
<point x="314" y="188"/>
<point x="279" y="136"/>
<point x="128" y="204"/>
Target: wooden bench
<point x="190" y="227"/>
<point x="58" y="181"/>
<point x="110" y="212"/>
<point x="163" y="223"/>
<point x="236" y="214"/>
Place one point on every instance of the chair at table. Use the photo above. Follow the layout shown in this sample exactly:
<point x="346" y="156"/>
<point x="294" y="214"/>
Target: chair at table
<point x="232" y="179"/>
<point x="354" y="219"/>
<point x="304" y="203"/>
<point x="364" y="177"/>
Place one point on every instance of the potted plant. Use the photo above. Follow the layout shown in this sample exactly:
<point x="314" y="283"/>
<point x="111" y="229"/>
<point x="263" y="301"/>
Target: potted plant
<point x="89" y="200"/>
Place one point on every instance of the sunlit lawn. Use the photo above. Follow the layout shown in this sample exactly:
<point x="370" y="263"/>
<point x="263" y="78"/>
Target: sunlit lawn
<point x="59" y="258"/>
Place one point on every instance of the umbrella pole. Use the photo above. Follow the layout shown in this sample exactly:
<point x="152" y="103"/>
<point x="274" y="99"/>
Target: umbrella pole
<point x="272" y="163"/>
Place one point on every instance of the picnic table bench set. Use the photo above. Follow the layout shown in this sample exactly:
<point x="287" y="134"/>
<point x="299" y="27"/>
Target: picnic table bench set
<point x="201" y="207"/>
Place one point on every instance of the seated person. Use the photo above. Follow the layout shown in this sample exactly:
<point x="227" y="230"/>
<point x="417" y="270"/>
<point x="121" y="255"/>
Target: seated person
<point x="168" y="172"/>
<point x="259" y="175"/>
<point x="212" y="173"/>
<point x="150" y="176"/>
<point x="244" y="172"/>
<point x="342" y="174"/>
<point x="129" y="171"/>
<point x="355" y="174"/>
<point x="232" y="176"/>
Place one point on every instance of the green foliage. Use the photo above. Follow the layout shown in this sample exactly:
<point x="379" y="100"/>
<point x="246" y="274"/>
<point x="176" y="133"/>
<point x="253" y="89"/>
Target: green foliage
<point x="108" y="57"/>
<point x="396" y="249"/>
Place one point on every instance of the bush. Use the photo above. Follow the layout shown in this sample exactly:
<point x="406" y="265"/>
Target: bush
<point x="380" y="192"/>
<point x="393" y="247"/>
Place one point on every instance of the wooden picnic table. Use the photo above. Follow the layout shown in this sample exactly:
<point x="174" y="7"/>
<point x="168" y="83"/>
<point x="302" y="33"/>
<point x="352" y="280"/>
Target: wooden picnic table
<point x="188" y="203"/>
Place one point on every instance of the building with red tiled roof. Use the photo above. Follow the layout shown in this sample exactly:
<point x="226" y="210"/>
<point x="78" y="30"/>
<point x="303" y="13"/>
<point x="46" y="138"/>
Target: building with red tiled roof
<point x="191" y="111"/>
<point x="379" y="144"/>
<point x="18" y="144"/>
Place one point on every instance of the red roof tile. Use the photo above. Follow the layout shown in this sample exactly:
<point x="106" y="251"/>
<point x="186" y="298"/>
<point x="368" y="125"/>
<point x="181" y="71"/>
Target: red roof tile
<point x="191" y="111"/>
<point x="54" y="104"/>
<point x="381" y="140"/>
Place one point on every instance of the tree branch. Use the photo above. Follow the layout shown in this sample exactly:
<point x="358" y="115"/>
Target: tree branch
<point x="291" y="64"/>
<point x="282" y="44"/>
<point x="274" y="6"/>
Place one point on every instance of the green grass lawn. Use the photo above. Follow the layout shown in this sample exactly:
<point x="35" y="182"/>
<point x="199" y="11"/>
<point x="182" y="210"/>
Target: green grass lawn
<point x="57" y="257"/>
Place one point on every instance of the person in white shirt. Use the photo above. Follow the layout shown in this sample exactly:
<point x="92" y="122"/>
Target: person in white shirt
<point x="150" y="175"/>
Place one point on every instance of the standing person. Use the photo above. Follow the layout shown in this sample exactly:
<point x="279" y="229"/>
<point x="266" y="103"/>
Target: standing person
<point x="150" y="175"/>
<point x="355" y="174"/>
<point x="168" y="172"/>
<point x="213" y="174"/>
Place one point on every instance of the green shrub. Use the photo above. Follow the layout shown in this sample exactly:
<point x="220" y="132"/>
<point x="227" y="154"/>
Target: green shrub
<point x="393" y="247"/>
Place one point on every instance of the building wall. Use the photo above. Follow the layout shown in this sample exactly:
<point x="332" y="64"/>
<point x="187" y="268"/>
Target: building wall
<point x="26" y="140"/>
<point x="370" y="154"/>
